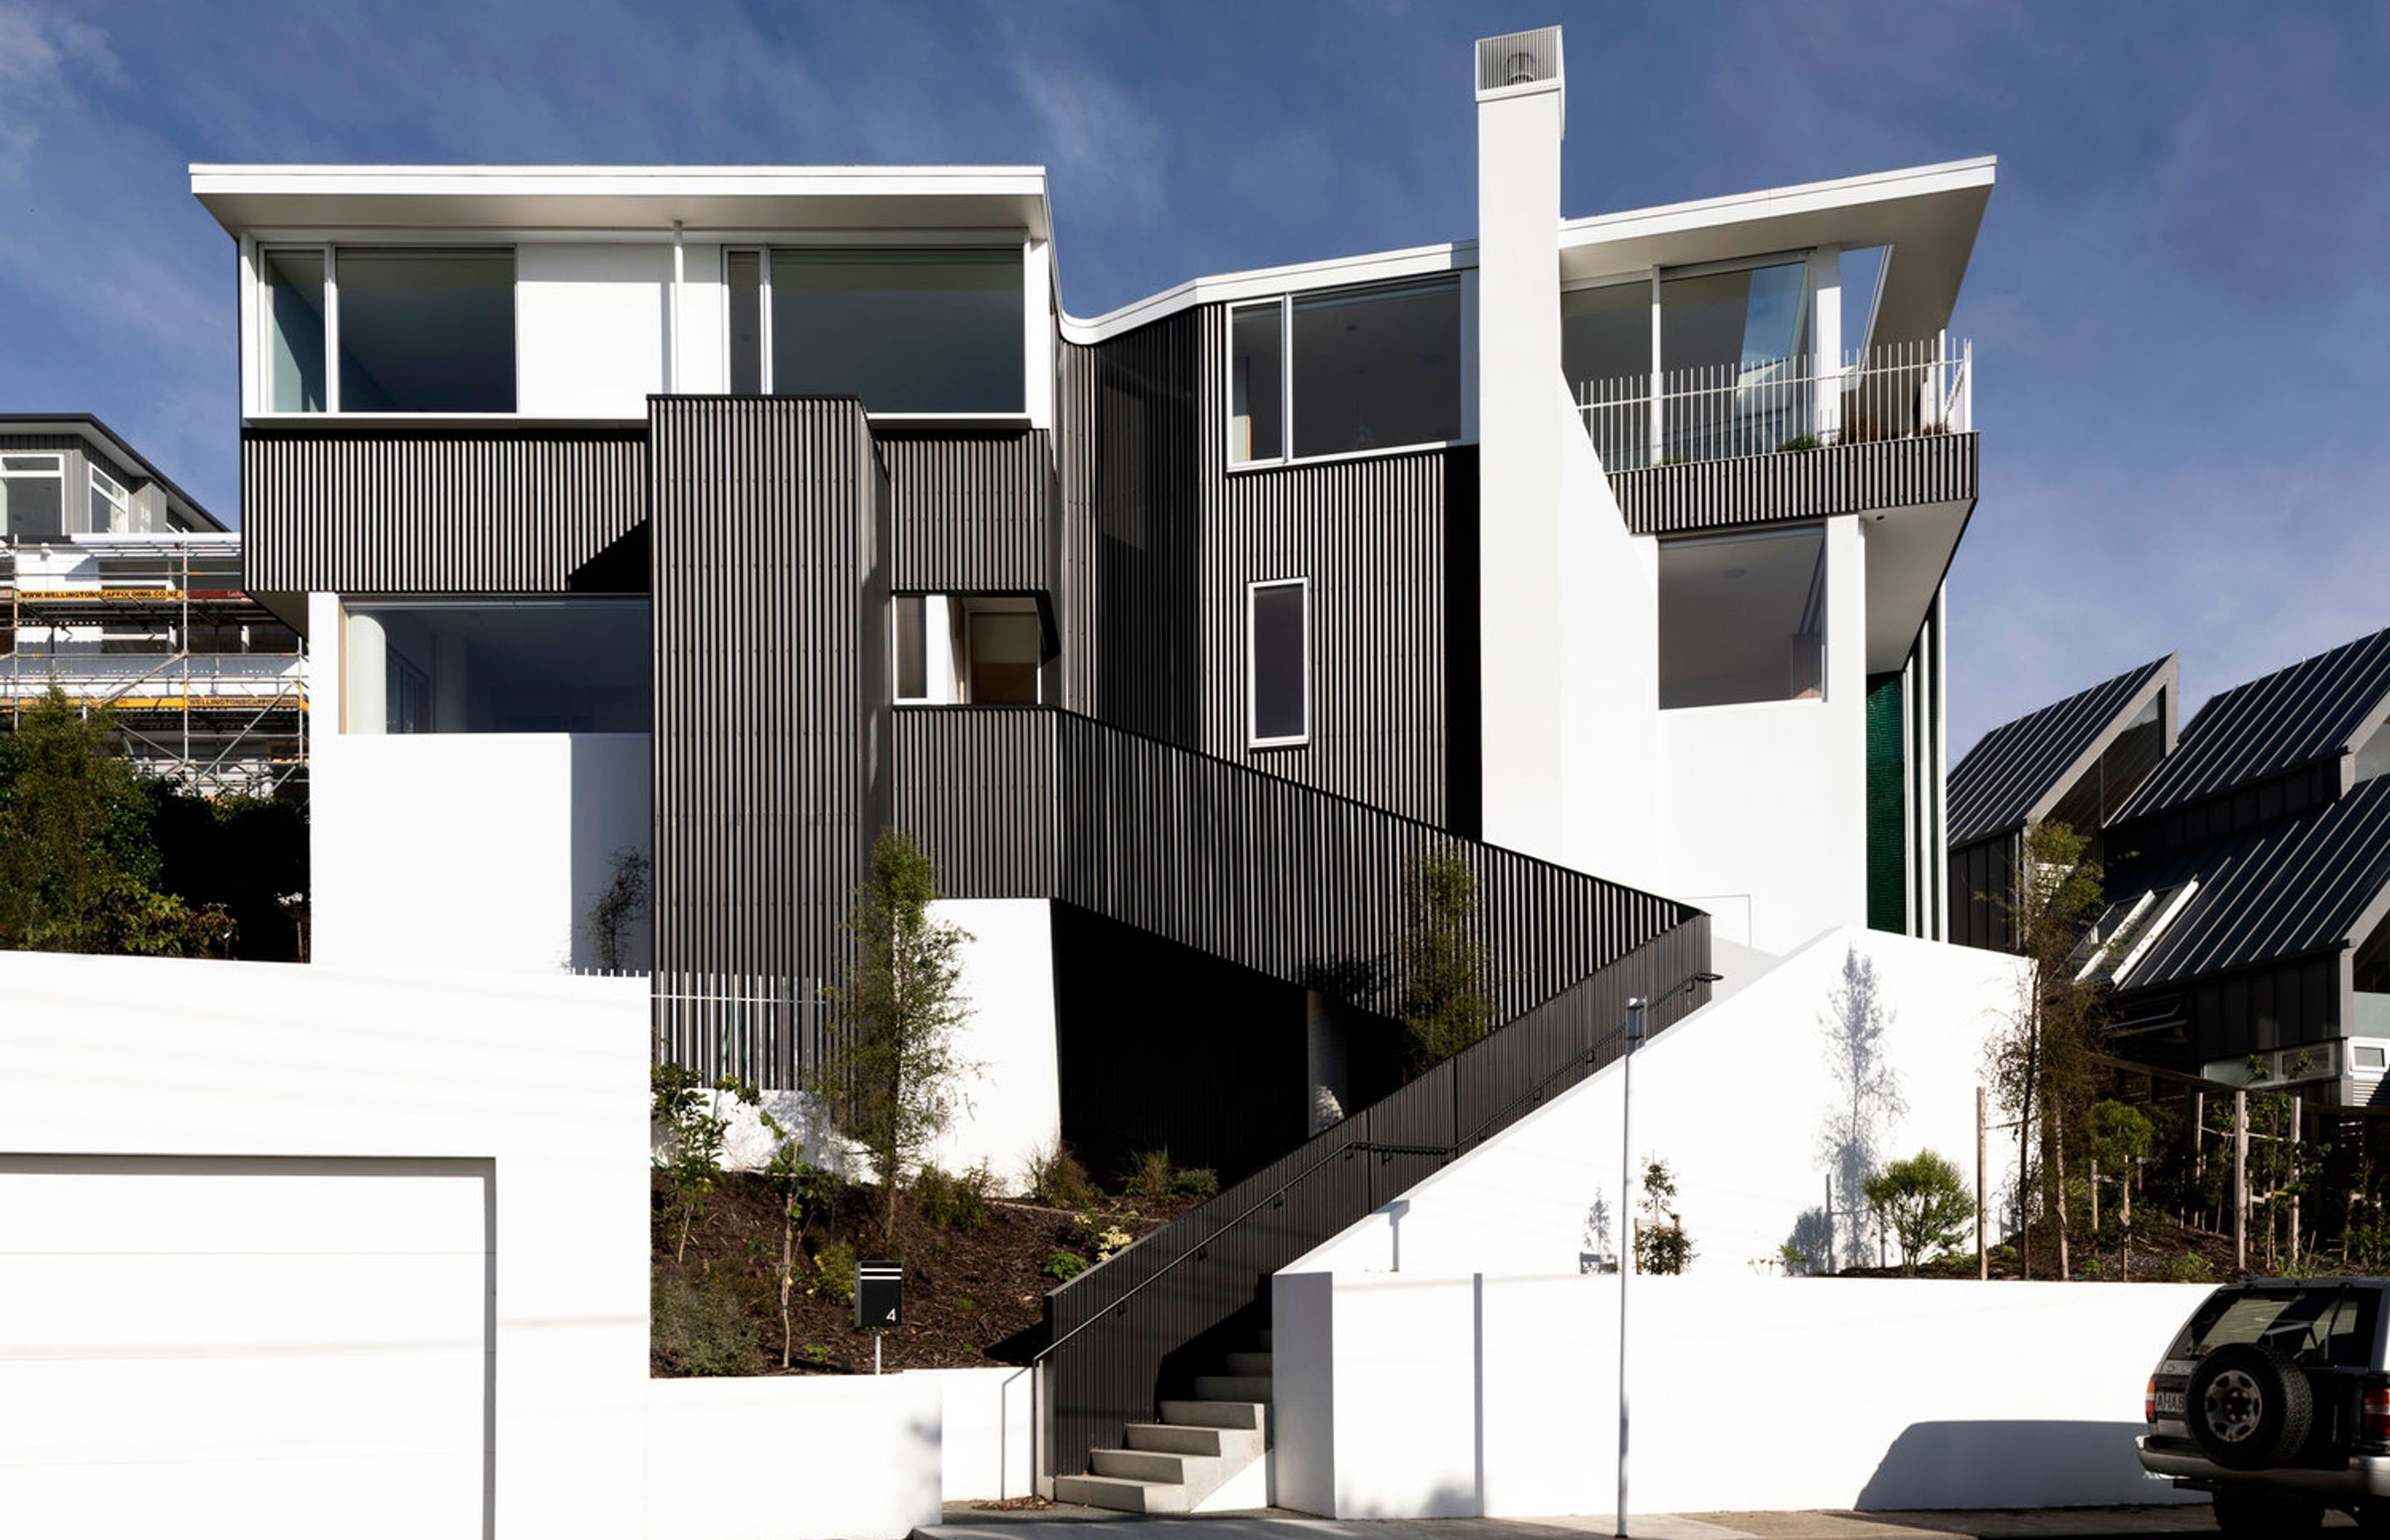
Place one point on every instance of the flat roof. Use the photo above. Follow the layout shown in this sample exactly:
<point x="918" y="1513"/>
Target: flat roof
<point x="267" y="197"/>
<point x="1929" y="213"/>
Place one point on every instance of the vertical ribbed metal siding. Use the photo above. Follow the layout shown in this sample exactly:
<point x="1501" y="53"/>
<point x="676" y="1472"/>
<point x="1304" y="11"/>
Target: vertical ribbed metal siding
<point x="1289" y="881"/>
<point x="971" y="512"/>
<point x="501" y="510"/>
<point x="772" y="757"/>
<point x="1159" y="541"/>
<point x="1765" y="489"/>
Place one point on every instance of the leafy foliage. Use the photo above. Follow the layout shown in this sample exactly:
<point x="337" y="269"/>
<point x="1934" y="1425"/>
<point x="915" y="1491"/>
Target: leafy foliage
<point x="834" y="1275"/>
<point x="1058" y="1180"/>
<point x="613" y="920"/>
<point x="1926" y="1203"/>
<point x="692" y="1126"/>
<point x="698" y="1328"/>
<point x="952" y="1202"/>
<point x="1445" y="1002"/>
<point x="1662" y="1246"/>
<point x="892" y="1081"/>
<point x="1152" y="1175"/>
<point x="78" y="864"/>
<point x="1062" y="1266"/>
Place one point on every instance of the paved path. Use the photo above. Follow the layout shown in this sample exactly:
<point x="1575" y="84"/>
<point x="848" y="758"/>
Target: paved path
<point x="964" y="1522"/>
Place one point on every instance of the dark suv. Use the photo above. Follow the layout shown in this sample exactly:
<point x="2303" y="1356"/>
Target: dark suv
<point x="2275" y="1399"/>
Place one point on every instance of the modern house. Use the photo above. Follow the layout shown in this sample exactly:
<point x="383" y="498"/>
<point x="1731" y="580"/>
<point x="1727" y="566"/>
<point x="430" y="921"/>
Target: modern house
<point x="729" y="515"/>
<point x="120" y="590"/>
<point x="2247" y="861"/>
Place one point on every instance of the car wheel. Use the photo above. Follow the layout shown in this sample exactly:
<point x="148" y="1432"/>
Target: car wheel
<point x="2258" y="1513"/>
<point x="2248" y="1406"/>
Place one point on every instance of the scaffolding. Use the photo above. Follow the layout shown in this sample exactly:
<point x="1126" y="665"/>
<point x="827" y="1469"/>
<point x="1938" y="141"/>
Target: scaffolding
<point x="208" y="686"/>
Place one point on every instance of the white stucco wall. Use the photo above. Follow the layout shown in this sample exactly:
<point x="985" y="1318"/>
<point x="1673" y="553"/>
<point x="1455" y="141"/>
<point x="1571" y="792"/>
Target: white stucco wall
<point x="1012" y="1095"/>
<point x="470" y="850"/>
<point x="1735" y="1099"/>
<point x="1763" y="807"/>
<point x="1440" y="1396"/>
<point x="591" y="327"/>
<point x="1611" y="686"/>
<point x="542" y="1079"/>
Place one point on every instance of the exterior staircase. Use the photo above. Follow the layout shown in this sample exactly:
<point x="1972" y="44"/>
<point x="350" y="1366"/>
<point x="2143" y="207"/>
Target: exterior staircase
<point x="1173" y="1466"/>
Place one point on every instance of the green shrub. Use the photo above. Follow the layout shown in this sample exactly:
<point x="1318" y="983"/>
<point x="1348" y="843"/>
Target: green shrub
<point x="954" y="1203"/>
<point x="1058" y="1180"/>
<point x="833" y="1275"/>
<point x="1062" y="1266"/>
<point x="966" y="1304"/>
<point x="696" y="1327"/>
<point x="1926" y="1203"/>
<point x="816" y="1353"/>
<point x="1152" y="1175"/>
<point x="2191" y="1267"/>
<point x="1799" y="442"/>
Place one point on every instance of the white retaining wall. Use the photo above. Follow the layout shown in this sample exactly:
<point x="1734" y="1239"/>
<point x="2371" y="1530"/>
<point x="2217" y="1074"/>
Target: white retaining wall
<point x="318" y="1250"/>
<point x="1736" y="1099"/>
<point x="1409" y="1395"/>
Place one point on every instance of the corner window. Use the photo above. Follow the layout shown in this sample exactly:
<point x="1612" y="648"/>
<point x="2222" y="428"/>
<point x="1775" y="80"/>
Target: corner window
<point x="1344" y="371"/>
<point x="933" y="330"/>
<point x="506" y="666"/>
<point x="413" y="328"/>
<point x="34" y="497"/>
<point x="1742" y="618"/>
<point x="111" y="507"/>
<point x="1277" y="662"/>
<point x="1606" y="336"/>
<point x="1005" y="649"/>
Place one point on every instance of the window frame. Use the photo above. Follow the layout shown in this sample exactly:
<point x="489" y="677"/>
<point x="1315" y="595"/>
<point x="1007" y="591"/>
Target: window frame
<point x="56" y="473"/>
<point x="114" y="493"/>
<point x="896" y="652"/>
<point x="1285" y="305"/>
<point x="762" y="251"/>
<point x="1825" y="581"/>
<point x="1252" y="725"/>
<point x="262" y="331"/>
<point x="972" y="616"/>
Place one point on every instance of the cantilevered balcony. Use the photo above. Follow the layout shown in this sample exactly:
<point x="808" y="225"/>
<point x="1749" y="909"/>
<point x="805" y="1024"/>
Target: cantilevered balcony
<point x="1705" y="448"/>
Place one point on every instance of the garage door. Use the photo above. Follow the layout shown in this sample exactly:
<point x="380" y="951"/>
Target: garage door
<point x="244" y="1347"/>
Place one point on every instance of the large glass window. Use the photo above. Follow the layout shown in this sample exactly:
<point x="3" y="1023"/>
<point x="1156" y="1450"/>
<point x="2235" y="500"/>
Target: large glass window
<point x="1375" y="368"/>
<point x="1740" y="321"/>
<point x="743" y="276"/>
<point x="294" y="304"/>
<point x="932" y="329"/>
<point x="1005" y="647"/>
<point x="424" y="330"/>
<point x="1606" y="335"/>
<point x="1256" y="383"/>
<point x="1278" y="662"/>
<point x="506" y="666"/>
<point x="1742" y="618"/>
<point x="32" y="496"/>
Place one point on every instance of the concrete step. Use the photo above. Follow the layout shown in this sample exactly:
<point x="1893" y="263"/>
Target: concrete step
<point x="1122" y="1494"/>
<point x="1257" y="1364"/>
<point x="1233" y="1387"/>
<point x="1216" y="1414"/>
<point x="1266" y="1335"/>
<point x="1144" y="1465"/>
<point x="1172" y="1438"/>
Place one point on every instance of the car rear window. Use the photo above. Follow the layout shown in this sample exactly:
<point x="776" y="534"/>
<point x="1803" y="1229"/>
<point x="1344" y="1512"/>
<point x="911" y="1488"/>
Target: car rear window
<point x="2327" y="1328"/>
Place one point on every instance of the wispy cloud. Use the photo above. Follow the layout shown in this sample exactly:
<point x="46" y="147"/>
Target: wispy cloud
<point x="45" y="57"/>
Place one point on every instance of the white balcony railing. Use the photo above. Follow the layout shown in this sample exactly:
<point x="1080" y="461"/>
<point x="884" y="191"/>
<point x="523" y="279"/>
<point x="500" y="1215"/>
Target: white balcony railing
<point x="1896" y="390"/>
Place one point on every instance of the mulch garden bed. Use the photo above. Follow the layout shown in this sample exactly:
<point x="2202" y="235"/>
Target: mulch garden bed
<point x="973" y="1295"/>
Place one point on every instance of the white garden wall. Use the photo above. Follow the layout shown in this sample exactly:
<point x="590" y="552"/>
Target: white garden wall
<point x="1437" y="1395"/>
<point x="1738" y="1099"/>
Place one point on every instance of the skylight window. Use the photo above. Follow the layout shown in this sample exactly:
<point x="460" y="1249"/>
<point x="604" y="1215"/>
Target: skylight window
<point x="2126" y="931"/>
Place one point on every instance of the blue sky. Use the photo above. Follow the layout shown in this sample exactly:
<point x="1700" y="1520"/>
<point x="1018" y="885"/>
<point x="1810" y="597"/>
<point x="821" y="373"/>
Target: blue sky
<point x="2180" y="302"/>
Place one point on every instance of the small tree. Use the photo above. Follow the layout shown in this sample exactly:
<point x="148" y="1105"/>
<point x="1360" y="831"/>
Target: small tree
<point x="693" y="1128"/>
<point x="79" y="866"/>
<point x="1446" y="1006"/>
<point x="613" y="920"/>
<point x="1661" y="1244"/>
<point x="806" y="1192"/>
<point x="1925" y="1204"/>
<point x="2039" y="1059"/>
<point x="893" y="1080"/>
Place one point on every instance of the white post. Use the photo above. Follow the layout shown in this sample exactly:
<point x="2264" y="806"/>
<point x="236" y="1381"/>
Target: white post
<point x="680" y="272"/>
<point x="1659" y="425"/>
<point x="1627" y="1224"/>
<point x="1825" y="282"/>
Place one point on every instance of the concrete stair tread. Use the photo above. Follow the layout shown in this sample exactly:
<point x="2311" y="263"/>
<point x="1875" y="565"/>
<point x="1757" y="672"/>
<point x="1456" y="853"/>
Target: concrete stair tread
<point x="1129" y="1493"/>
<point x="1151" y="1465"/>
<point x="1184" y="1438"/>
<point x="1234" y="1387"/>
<point x="1255" y="1364"/>
<point x="1207" y="1412"/>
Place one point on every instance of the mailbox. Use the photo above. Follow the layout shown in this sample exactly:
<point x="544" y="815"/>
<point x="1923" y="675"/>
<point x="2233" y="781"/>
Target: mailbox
<point x="879" y="1296"/>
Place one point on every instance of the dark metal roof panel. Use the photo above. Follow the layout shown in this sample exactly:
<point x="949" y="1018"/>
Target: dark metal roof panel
<point x="2285" y="720"/>
<point x="2265" y="894"/>
<point x="2013" y="768"/>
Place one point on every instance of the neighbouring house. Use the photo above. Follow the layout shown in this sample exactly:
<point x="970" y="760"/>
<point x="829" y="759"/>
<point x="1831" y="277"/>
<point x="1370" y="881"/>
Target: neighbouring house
<point x="121" y="591"/>
<point x="2247" y="863"/>
<point x="725" y="516"/>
